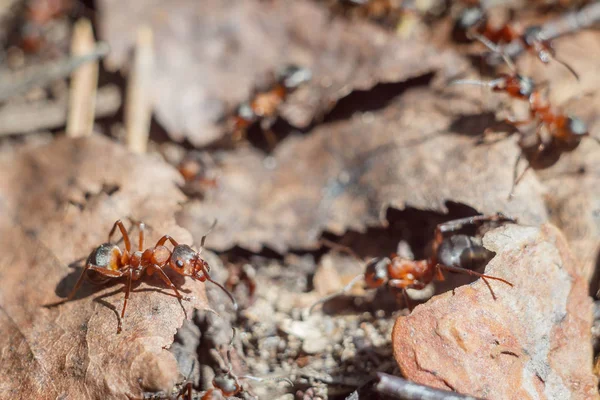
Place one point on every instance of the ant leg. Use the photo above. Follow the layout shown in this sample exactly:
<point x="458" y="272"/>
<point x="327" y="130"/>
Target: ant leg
<point x="101" y="270"/>
<point x="344" y="290"/>
<point x="457" y="224"/>
<point x="164" y="239"/>
<point x="79" y="281"/>
<point x="142" y="227"/>
<point x="127" y="291"/>
<point x="123" y="232"/>
<point x="341" y="248"/>
<point x="407" y="301"/>
<point x="168" y="282"/>
<point x="473" y="273"/>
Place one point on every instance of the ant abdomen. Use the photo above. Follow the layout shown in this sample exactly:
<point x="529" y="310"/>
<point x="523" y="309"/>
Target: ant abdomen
<point x="463" y="251"/>
<point x="107" y="255"/>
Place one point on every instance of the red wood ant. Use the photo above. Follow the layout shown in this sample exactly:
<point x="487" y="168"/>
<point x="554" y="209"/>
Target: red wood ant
<point x="196" y="173"/>
<point x="242" y="275"/>
<point x="108" y="262"/>
<point x="264" y="104"/>
<point x="386" y="12"/>
<point x="555" y="131"/>
<point x="473" y="24"/>
<point x="38" y="14"/>
<point x="454" y="253"/>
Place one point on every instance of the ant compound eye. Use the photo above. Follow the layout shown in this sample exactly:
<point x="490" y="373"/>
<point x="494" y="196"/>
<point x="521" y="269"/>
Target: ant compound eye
<point x="526" y="86"/>
<point x="179" y="263"/>
<point x="246" y="112"/>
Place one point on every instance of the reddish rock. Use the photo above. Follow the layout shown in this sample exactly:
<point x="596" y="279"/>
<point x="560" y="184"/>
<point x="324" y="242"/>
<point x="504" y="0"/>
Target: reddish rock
<point x="533" y="342"/>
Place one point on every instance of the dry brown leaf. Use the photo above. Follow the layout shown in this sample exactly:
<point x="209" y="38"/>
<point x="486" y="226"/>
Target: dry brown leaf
<point x="344" y="174"/>
<point x="57" y="203"/>
<point x="213" y="53"/>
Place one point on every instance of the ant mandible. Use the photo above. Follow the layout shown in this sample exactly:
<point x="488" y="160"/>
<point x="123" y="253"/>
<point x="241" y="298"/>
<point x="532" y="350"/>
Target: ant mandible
<point x="473" y="24"/>
<point x="563" y="132"/>
<point x="108" y="262"/>
<point x="455" y="253"/>
<point x="264" y="105"/>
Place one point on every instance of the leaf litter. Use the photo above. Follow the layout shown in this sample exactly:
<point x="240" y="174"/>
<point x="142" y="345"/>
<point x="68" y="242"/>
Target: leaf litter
<point x="59" y="202"/>
<point x="214" y="53"/>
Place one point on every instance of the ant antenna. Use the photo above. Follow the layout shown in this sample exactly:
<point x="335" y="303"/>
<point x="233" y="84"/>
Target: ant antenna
<point x="203" y="240"/>
<point x="567" y="66"/>
<point x="350" y="252"/>
<point x="227" y="292"/>
<point x="341" y="248"/>
<point x="495" y="49"/>
<point x="491" y="84"/>
<point x="345" y="289"/>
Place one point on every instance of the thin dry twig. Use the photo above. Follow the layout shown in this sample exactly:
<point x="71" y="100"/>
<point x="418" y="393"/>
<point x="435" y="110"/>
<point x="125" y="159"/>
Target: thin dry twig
<point x="19" y="119"/>
<point x="138" y="106"/>
<point x="84" y="83"/>
<point x="14" y="84"/>
<point x="564" y="25"/>
<point x="407" y="390"/>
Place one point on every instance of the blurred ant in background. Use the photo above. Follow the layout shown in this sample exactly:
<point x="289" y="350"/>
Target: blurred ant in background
<point x="473" y="24"/>
<point x="242" y="275"/>
<point x="108" y="262"/>
<point x="196" y="170"/>
<point x="38" y="15"/>
<point x="451" y="251"/>
<point x="385" y="12"/>
<point x="554" y="131"/>
<point x="263" y="107"/>
<point x="389" y="13"/>
<point x="225" y="383"/>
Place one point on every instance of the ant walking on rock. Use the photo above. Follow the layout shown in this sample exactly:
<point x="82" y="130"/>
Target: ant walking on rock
<point x="451" y="251"/>
<point x="108" y="262"/>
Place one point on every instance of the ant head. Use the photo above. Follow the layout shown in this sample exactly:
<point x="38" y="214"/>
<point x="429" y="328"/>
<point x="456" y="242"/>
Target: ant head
<point x="526" y="86"/>
<point x="577" y="127"/>
<point x="469" y="18"/>
<point x="293" y="76"/>
<point x="228" y="383"/>
<point x="376" y="273"/>
<point x="533" y="38"/>
<point x="187" y="262"/>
